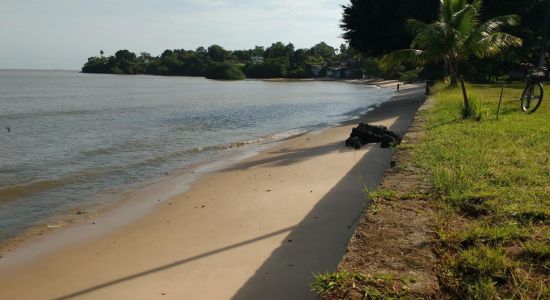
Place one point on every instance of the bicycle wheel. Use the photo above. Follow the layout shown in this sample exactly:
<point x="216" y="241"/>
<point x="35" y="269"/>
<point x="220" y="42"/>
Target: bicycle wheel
<point x="532" y="97"/>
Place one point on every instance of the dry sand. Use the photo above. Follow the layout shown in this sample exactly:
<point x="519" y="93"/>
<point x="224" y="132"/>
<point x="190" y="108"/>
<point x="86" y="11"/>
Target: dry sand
<point x="255" y="230"/>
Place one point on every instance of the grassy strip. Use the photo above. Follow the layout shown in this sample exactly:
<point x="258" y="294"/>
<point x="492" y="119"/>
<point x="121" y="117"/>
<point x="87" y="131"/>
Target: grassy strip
<point x="372" y="287"/>
<point x="492" y="180"/>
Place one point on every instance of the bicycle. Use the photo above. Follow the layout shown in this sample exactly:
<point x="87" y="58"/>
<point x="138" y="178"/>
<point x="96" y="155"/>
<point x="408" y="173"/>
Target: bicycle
<point x="533" y="93"/>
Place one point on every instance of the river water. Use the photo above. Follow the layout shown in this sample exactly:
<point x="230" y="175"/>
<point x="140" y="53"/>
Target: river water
<point x="68" y="139"/>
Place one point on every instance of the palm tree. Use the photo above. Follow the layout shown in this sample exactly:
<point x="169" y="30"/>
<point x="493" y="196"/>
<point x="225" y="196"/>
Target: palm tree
<point x="455" y="36"/>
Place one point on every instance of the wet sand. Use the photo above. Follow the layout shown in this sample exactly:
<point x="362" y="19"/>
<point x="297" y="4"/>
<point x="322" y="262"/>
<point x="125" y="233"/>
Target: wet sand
<point x="255" y="230"/>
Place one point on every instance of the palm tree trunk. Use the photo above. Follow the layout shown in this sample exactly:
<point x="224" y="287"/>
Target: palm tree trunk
<point x="466" y="106"/>
<point x="452" y="71"/>
<point x="454" y="78"/>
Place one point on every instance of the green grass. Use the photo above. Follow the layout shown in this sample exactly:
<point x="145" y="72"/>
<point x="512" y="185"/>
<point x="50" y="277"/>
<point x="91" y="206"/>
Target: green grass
<point x="492" y="180"/>
<point x="372" y="287"/>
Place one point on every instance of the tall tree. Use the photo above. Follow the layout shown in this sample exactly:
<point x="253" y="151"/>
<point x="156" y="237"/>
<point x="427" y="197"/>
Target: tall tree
<point x="217" y="53"/>
<point x="377" y="27"/>
<point x="278" y="50"/>
<point x="324" y="51"/>
<point x="125" y="62"/>
<point x="455" y="36"/>
<point x="258" y="51"/>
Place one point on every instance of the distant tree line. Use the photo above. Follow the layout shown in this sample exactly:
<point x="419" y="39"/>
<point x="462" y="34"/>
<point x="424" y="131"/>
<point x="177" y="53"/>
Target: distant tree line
<point x="377" y="27"/>
<point x="215" y="62"/>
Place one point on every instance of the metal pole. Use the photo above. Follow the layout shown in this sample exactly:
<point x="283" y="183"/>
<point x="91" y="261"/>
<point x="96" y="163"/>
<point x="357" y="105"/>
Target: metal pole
<point x="542" y="61"/>
<point x="500" y="100"/>
<point x="465" y="95"/>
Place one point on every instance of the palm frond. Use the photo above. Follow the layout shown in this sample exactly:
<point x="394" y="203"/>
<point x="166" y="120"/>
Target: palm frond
<point x="435" y="37"/>
<point x="446" y="11"/>
<point x="488" y="29"/>
<point x="415" y="26"/>
<point x="456" y="35"/>
<point x="457" y="5"/>
<point x="494" y="44"/>
<point x="405" y="55"/>
<point x="497" y="23"/>
<point x="413" y="56"/>
<point x="465" y="20"/>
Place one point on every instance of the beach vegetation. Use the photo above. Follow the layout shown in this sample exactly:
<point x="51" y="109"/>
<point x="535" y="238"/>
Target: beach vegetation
<point x="217" y="53"/>
<point x="455" y="36"/>
<point x="409" y="76"/>
<point x="352" y="285"/>
<point x="225" y="71"/>
<point x="491" y="179"/>
<point x="276" y="61"/>
<point x="378" y="27"/>
<point x="489" y="184"/>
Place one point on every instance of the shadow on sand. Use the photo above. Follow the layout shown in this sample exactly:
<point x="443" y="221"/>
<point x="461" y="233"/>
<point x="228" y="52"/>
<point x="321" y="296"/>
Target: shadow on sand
<point x="318" y="242"/>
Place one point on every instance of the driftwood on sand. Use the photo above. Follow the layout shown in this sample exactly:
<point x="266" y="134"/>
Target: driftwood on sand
<point x="366" y="133"/>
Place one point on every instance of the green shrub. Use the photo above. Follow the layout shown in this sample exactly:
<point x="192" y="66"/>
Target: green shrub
<point x="409" y="76"/>
<point x="477" y="109"/>
<point x="298" y="73"/>
<point x="224" y="71"/>
<point x="371" y="66"/>
<point x="481" y="262"/>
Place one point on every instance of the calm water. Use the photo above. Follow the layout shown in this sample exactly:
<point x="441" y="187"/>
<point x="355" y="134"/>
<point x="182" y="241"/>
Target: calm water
<point x="77" y="136"/>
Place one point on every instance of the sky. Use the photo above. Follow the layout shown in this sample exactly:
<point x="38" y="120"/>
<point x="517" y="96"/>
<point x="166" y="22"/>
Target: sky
<point x="62" y="34"/>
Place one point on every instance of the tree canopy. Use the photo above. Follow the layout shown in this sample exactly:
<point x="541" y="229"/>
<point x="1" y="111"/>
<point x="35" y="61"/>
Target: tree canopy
<point x="277" y="60"/>
<point x="377" y="27"/>
<point x="455" y="36"/>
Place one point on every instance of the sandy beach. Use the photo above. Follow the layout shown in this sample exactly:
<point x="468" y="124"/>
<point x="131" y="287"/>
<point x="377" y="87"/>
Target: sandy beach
<point x="257" y="229"/>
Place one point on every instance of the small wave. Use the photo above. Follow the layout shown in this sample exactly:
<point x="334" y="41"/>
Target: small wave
<point x="264" y="139"/>
<point x="223" y="147"/>
<point x="32" y="115"/>
<point x="20" y="191"/>
<point x="116" y="148"/>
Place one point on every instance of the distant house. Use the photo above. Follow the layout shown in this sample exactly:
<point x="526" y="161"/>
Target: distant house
<point x="257" y="60"/>
<point x="316" y="69"/>
<point x="354" y="69"/>
<point x="337" y="71"/>
<point x="350" y="69"/>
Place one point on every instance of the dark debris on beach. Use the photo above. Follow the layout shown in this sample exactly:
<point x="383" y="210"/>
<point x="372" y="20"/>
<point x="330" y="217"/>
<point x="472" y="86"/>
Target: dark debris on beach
<point x="365" y="133"/>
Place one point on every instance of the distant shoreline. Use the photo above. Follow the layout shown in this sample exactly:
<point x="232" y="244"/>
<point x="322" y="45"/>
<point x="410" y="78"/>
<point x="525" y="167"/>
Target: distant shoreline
<point x="54" y="70"/>
<point x="387" y="83"/>
<point x="368" y="81"/>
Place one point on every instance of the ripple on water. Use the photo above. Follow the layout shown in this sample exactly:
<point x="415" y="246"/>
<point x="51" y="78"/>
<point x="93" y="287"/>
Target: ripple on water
<point x="76" y="136"/>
